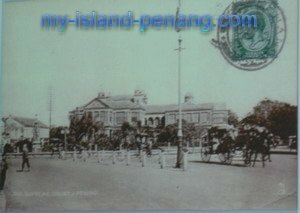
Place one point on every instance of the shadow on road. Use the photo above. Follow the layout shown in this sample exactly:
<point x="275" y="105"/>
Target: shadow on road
<point x="219" y="163"/>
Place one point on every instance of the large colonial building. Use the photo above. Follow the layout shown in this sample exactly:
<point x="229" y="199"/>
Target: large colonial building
<point x="205" y="115"/>
<point x="113" y="111"/>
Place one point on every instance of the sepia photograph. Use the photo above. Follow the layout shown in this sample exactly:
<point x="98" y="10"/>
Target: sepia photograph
<point x="149" y="105"/>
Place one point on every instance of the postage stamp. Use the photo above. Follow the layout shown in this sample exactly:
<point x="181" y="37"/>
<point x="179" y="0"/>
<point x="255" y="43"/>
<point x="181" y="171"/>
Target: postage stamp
<point x="250" y="48"/>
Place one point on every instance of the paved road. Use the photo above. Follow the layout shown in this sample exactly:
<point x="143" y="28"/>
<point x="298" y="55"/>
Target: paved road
<point x="56" y="185"/>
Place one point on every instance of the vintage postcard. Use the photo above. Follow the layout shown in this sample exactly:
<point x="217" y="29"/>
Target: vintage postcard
<point x="159" y="105"/>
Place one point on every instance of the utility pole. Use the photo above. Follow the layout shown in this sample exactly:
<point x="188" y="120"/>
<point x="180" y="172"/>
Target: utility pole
<point x="179" y="134"/>
<point x="36" y="130"/>
<point x="50" y="111"/>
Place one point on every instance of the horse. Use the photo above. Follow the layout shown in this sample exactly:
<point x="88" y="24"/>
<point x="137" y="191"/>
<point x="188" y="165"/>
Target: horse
<point x="257" y="144"/>
<point x="270" y="140"/>
<point x="252" y="141"/>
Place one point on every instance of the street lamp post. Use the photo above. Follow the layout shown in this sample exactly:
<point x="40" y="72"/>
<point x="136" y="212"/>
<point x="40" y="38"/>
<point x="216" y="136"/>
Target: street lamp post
<point x="179" y="133"/>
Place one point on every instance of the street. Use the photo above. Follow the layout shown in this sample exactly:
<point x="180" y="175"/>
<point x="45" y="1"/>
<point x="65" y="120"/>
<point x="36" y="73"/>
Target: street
<point x="59" y="185"/>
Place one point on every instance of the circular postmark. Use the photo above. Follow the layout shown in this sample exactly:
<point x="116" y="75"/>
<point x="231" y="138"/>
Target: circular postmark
<point x="252" y="48"/>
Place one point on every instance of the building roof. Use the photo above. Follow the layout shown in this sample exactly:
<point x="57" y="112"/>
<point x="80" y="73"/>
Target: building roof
<point x="127" y="102"/>
<point x="113" y="102"/>
<point x="29" y="122"/>
<point x="156" y="109"/>
<point x="121" y="98"/>
<point x="122" y="104"/>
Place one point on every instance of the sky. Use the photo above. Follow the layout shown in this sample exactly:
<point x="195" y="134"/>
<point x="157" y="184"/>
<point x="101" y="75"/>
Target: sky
<point x="79" y="63"/>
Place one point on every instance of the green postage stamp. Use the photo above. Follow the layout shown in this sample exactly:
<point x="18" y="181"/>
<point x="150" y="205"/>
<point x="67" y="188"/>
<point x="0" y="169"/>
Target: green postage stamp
<point x="252" y="48"/>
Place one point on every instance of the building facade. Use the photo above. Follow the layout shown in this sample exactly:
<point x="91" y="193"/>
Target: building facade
<point x="205" y="115"/>
<point x="20" y="127"/>
<point x="113" y="111"/>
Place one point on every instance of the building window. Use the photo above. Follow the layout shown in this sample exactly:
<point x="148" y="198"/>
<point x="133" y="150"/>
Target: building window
<point x="110" y="117"/>
<point x="187" y="117"/>
<point x="218" y="118"/>
<point x="134" y="116"/>
<point x="90" y="114"/>
<point x="102" y="117"/>
<point x="195" y="118"/>
<point x="204" y="117"/>
<point x="172" y="118"/>
<point x="96" y="116"/>
<point x="156" y="122"/>
<point x="150" y="121"/>
<point x="120" y="117"/>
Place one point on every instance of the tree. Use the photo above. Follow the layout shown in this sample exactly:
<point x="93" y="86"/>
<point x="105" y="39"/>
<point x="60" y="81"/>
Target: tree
<point x="254" y="120"/>
<point x="233" y="118"/>
<point x="84" y="127"/>
<point x="169" y="133"/>
<point x="265" y="107"/>
<point x="55" y="132"/>
<point x="126" y="128"/>
<point x="278" y="117"/>
<point x="283" y="121"/>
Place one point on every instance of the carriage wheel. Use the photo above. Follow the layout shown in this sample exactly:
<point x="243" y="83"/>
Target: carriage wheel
<point x="225" y="158"/>
<point x="222" y="157"/>
<point x="205" y="154"/>
<point x="229" y="158"/>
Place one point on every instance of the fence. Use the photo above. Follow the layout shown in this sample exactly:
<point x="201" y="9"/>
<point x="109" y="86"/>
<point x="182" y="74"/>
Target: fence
<point x="161" y="158"/>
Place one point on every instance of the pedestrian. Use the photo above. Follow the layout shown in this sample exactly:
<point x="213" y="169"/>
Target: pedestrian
<point x="25" y="159"/>
<point x="59" y="152"/>
<point x="7" y="148"/>
<point x="148" y="146"/>
<point x="5" y="144"/>
<point x="3" y="168"/>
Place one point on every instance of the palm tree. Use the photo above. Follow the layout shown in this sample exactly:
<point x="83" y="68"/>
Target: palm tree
<point x="84" y="128"/>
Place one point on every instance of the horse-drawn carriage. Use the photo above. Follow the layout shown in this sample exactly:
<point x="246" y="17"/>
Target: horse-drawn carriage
<point x="217" y="142"/>
<point x="229" y="143"/>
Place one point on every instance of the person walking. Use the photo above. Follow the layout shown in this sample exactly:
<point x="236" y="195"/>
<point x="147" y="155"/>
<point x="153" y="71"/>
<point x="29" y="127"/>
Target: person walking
<point x="3" y="168"/>
<point x="25" y="158"/>
<point x="148" y="147"/>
